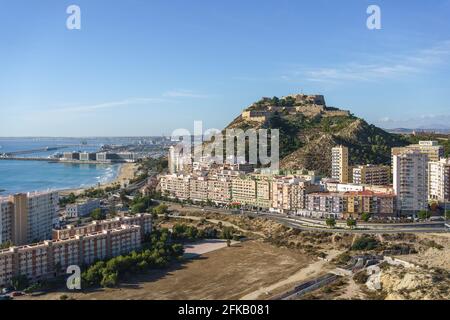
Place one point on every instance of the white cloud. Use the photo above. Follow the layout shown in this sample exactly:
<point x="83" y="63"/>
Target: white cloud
<point x="185" y="94"/>
<point x="111" y="104"/>
<point x="391" y="67"/>
<point x="423" y="121"/>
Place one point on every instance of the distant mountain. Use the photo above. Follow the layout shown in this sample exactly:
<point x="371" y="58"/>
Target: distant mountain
<point x="421" y="130"/>
<point x="309" y="129"/>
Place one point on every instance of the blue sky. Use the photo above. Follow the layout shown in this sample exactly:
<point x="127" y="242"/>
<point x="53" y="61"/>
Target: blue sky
<point x="149" y="67"/>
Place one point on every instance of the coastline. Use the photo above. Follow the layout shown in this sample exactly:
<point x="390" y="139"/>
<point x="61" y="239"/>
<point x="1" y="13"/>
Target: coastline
<point x="126" y="172"/>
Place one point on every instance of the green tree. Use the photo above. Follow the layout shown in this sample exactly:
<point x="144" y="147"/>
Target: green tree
<point x="6" y="245"/>
<point x="424" y="215"/>
<point x="20" y="282"/>
<point x="110" y="280"/>
<point x="161" y="209"/>
<point x="351" y="223"/>
<point x="331" y="222"/>
<point x="447" y="214"/>
<point x="365" y="216"/>
<point x="227" y="233"/>
<point x="97" y="214"/>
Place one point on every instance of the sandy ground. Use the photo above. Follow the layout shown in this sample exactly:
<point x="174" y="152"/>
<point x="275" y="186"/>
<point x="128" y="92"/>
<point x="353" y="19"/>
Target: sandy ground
<point x="432" y="257"/>
<point x="206" y="246"/>
<point x="228" y="273"/>
<point x="126" y="172"/>
<point x="313" y="270"/>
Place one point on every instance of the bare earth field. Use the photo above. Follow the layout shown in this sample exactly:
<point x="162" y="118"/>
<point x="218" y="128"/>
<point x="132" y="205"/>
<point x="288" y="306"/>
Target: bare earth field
<point x="228" y="273"/>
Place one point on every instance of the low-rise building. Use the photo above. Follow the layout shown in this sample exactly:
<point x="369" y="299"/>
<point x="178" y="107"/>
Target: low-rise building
<point x="143" y="220"/>
<point x="82" y="208"/>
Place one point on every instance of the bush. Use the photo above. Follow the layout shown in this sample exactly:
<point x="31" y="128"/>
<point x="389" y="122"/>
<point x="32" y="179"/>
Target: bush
<point x="365" y="243"/>
<point x="98" y="214"/>
<point x="361" y="277"/>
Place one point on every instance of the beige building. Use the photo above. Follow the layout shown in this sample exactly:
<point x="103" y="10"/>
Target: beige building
<point x="219" y="190"/>
<point x="372" y="175"/>
<point x="41" y="260"/>
<point x="289" y="194"/>
<point x="27" y="218"/>
<point x="243" y="190"/>
<point x="175" y="186"/>
<point x="144" y="220"/>
<point x="198" y="189"/>
<point x="439" y="180"/>
<point x="339" y="164"/>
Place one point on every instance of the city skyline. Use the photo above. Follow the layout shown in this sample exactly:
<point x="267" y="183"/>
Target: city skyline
<point x="123" y="74"/>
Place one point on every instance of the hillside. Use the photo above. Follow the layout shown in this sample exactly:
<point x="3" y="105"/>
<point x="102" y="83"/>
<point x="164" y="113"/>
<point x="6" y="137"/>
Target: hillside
<point x="309" y="129"/>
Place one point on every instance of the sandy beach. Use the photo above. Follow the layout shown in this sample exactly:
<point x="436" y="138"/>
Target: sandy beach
<point x="127" y="171"/>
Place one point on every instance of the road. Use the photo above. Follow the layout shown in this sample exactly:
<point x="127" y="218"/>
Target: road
<point x="366" y="228"/>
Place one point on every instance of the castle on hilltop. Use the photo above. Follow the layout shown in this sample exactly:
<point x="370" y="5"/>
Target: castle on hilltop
<point x="308" y="105"/>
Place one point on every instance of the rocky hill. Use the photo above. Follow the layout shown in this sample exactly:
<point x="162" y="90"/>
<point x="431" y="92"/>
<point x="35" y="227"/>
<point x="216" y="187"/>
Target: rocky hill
<point x="309" y="129"/>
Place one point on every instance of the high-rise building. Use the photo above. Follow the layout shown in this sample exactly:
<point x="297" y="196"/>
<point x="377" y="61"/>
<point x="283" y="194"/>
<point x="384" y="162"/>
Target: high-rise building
<point x="339" y="164"/>
<point x="430" y="148"/>
<point x="27" y="218"/>
<point x="372" y="175"/>
<point x="411" y="181"/>
<point x="439" y="180"/>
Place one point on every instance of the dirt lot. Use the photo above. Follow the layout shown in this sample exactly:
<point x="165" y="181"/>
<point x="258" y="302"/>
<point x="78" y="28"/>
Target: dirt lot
<point x="228" y="273"/>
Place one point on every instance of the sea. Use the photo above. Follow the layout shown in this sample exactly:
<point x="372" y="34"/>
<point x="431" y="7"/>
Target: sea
<point x="28" y="176"/>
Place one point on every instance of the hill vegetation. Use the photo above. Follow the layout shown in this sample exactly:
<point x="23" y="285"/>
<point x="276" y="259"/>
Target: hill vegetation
<point x="306" y="138"/>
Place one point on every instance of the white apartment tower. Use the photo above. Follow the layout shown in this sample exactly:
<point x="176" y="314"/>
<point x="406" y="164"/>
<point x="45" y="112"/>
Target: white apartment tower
<point x="411" y="182"/>
<point x="439" y="180"/>
<point x="339" y="164"/>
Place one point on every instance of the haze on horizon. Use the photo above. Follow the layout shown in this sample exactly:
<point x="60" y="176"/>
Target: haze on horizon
<point x="140" y="68"/>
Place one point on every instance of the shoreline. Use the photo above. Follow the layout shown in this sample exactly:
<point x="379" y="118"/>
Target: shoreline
<point x="126" y="172"/>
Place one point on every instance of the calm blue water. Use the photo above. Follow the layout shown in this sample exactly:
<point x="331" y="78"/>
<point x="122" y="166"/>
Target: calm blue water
<point x="24" y="176"/>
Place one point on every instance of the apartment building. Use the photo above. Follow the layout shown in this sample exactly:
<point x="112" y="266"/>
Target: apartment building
<point x="372" y="175"/>
<point x="439" y="180"/>
<point x="339" y="164"/>
<point x="82" y="208"/>
<point x="324" y="205"/>
<point x="243" y="190"/>
<point x="349" y="204"/>
<point x="432" y="149"/>
<point x="6" y="215"/>
<point x="219" y="190"/>
<point x="175" y="186"/>
<point x="198" y="189"/>
<point x="143" y="220"/>
<point x="411" y="181"/>
<point x="289" y="194"/>
<point x="378" y="204"/>
<point x="41" y="260"/>
<point x="27" y="218"/>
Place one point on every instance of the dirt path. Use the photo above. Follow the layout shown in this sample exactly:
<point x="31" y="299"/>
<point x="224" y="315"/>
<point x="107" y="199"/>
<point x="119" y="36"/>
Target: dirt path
<point x="313" y="270"/>
<point x="224" y="223"/>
